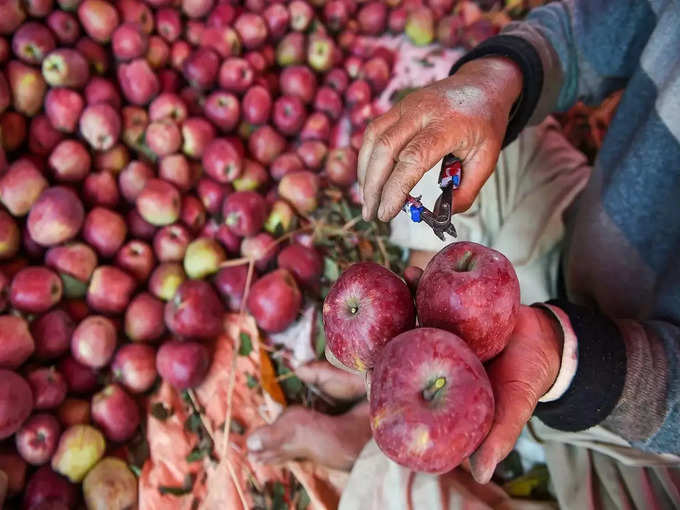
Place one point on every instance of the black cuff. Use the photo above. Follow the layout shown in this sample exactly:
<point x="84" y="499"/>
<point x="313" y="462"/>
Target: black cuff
<point x="600" y="376"/>
<point x="528" y="60"/>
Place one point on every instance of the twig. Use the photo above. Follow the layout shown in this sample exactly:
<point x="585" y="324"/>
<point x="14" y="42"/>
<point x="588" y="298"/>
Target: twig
<point x="238" y="486"/>
<point x="381" y="247"/>
<point x="351" y="223"/>
<point x="283" y="377"/>
<point x="197" y="408"/>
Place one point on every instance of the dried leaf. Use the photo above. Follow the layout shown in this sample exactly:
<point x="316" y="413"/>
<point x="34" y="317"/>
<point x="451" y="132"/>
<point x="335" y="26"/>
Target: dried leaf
<point x="197" y="454"/>
<point x="268" y="378"/>
<point x="160" y="412"/>
<point x="246" y="345"/>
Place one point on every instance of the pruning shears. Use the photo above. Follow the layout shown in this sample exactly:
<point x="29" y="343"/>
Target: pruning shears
<point x="439" y="219"/>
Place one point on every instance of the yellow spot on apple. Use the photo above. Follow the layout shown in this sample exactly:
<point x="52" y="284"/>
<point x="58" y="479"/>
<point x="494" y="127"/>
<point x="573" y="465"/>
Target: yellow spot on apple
<point x="420" y="439"/>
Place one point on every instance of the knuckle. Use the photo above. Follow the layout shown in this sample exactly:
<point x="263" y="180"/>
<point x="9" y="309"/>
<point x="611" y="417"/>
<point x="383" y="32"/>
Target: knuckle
<point x="383" y="144"/>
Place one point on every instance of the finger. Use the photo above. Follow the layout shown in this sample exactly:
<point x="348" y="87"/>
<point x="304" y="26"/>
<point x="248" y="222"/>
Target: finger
<point x="419" y="155"/>
<point x="477" y="167"/>
<point x="515" y="403"/>
<point x="381" y="161"/>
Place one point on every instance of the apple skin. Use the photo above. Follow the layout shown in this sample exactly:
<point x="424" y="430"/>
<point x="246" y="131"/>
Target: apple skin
<point x="110" y="289"/>
<point x="95" y="54"/>
<point x="337" y="79"/>
<point x="28" y="87"/>
<point x="129" y="41"/>
<point x="341" y="166"/>
<point x="170" y="243"/>
<point x="9" y="236"/>
<point x="105" y="230"/>
<point x="13" y="15"/>
<point x="236" y="75"/>
<point x="328" y="101"/>
<point x="197" y="133"/>
<point x="102" y="90"/>
<point x="20" y="186"/>
<point x="56" y="216"/>
<point x="134" y="366"/>
<point x="301" y="190"/>
<point x="74" y="411"/>
<point x="144" y="318"/>
<point x="265" y="144"/>
<point x="116" y="413"/>
<point x="16" y="402"/>
<point x="257" y="105"/>
<point x="110" y="485"/>
<point x="80" y="447"/>
<point x="35" y="289"/>
<point x="195" y="311"/>
<point x="133" y="178"/>
<point x="358" y="93"/>
<point x="158" y="55"/>
<point x="138" y="81"/>
<point x="231" y="284"/>
<point x="99" y="19"/>
<point x="138" y="226"/>
<point x="304" y="262"/>
<point x="52" y="334"/>
<point x="429" y="433"/>
<point x="277" y="18"/>
<point x="312" y="153"/>
<point x="42" y="136"/>
<point x="65" y="67"/>
<point x="183" y="364"/>
<point x="316" y="127"/>
<point x="94" y="341"/>
<point x="284" y="164"/>
<point x="274" y="300"/>
<point x="211" y="193"/>
<point x="289" y="114"/>
<point x="203" y="257"/>
<point x="77" y="260"/>
<point x="136" y="258"/>
<point x="70" y="161"/>
<point x="168" y="23"/>
<point x="37" y="438"/>
<point x="290" y="50"/>
<point x="80" y="378"/>
<point x="372" y="18"/>
<point x="163" y="137"/>
<point x="366" y="308"/>
<point x="45" y="487"/>
<point x="15" y="470"/>
<point x="222" y="160"/>
<point x="472" y="291"/>
<point x="63" y="108"/>
<point x="14" y="126"/>
<point x="301" y="15"/>
<point x="48" y="386"/>
<point x="65" y="27"/>
<point x="298" y="81"/>
<point x="159" y="202"/>
<point x="244" y="212"/>
<point x="262" y="248"/>
<point x="165" y="279"/>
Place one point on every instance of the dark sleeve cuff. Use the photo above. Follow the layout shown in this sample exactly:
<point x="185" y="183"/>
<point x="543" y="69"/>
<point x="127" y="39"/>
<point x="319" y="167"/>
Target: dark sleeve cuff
<point x="526" y="57"/>
<point x="599" y="378"/>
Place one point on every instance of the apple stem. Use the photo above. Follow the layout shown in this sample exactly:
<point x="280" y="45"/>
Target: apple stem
<point x="434" y="388"/>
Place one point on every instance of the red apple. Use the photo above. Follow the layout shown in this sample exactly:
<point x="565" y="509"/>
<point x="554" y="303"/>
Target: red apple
<point x="80" y="448"/>
<point x="32" y="42"/>
<point x="328" y="101"/>
<point x="372" y="18"/>
<point x="9" y="236"/>
<point x="289" y="114"/>
<point x="298" y="81"/>
<point x="134" y="366"/>
<point x="110" y="289"/>
<point x="99" y="19"/>
<point x="236" y="75"/>
<point x="112" y="160"/>
<point x="163" y="137"/>
<point x="291" y="50"/>
<point x="16" y="402"/>
<point x="341" y="166"/>
<point x="52" y="334"/>
<point x="144" y="318"/>
<point x="254" y="176"/>
<point x="129" y="41"/>
<point x="396" y="22"/>
<point x="76" y="260"/>
<point x="201" y="68"/>
<point x="192" y="213"/>
<point x="70" y="161"/>
<point x="14" y="468"/>
<point x="358" y="93"/>
<point x="274" y="301"/>
<point x="221" y="16"/>
<point x="170" y="243"/>
<point x="47" y="489"/>
<point x="135" y="121"/>
<point x="266" y="144"/>
<point x="196" y="8"/>
<point x="222" y="160"/>
<point x="366" y="307"/>
<point x="431" y="401"/>
<point x="133" y="178"/>
<point x="210" y="192"/>
<point x="313" y="153"/>
<point x="136" y="258"/>
<point x="94" y="341"/>
<point x="261" y="248"/>
<point x="316" y="127"/>
<point x="376" y="72"/>
<point x="277" y="18"/>
<point x="159" y="202"/>
<point x="138" y="226"/>
<point x="32" y="249"/>
<point x="42" y="137"/>
<point x="136" y="11"/>
<point x="105" y="231"/>
<point x="337" y="79"/>
<point x="321" y="52"/>
<point x="35" y="289"/>
<point x="228" y="239"/>
<point x="63" y="108"/>
<point x="116" y="413"/>
<point x="100" y="189"/>
<point x="20" y="186"/>
<point x="222" y="109"/>
<point x="224" y="41"/>
<point x="13" y="15"/>
<point x="16" y="342"/>
<point x="301" y="15"/>
<point x="280" y="218"/>
<point x="203" y="257"/>
<point x="169" y="23"/>
<point x="257" y="105"/>
<point x="110" y="484"/>
<point x="138" y="82"/>
<point x="252" y="29"/>
<point x="285" y="164"/>
<point x="28" y="87"/>
<point x="37" y="438"/>
<point x="336" y="13"/>
<point x="244" y="212"/>
<point x="304" y="263"/>
<point x="80" y="378"/>
<point x="166" y="279"/>
<point x="301" y="190"/>
<point x="74" y="411"/>
<point x="65" y="67"/>
<point x="231" y="283"/>
<point x="49" y="387"/>
<point x="95" y="54"/>
<point x="12" y="124"/>
<point x="449" y="30"/>
<point x="100" y="125"/>
<point x="479" y="300"/>
<point x="183" y="364"/>
<point x="195" y="311"/>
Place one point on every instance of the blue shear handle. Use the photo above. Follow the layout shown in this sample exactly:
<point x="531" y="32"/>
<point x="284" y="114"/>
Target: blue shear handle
<point x="415" y="213"/>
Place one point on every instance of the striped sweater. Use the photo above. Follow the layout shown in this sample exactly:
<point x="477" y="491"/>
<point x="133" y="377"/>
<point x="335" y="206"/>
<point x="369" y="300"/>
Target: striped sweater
<point x="621" y="264"/>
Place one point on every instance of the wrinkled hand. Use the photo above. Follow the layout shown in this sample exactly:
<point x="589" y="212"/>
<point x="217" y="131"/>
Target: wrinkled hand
<point x="465" y="114"/>
<point x="520" y="375"/>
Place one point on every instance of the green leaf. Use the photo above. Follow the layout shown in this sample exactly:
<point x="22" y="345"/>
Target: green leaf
<point x="73" y="288"/>
<point x="304" y="501"/>
<point x="251" y="381"/>
<point x="320" y="337"/>
<point x="279" y="497"/>
<point x="193" y="423"/>
<point x="186" y="488"/>
<point x="331" y="271"/>
<point x="160" y="412"/>
<point x="246" y="346"/>
<point x="291" y="386"/>
<point x="197" y="454"/>
<point x="136" y="470"/>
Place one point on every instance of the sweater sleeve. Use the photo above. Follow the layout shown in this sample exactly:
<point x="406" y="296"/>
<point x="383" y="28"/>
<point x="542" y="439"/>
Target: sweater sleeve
<point x="568" y="51"/>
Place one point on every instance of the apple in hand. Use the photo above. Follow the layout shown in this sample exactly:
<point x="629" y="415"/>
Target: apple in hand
<point x="116" y="413"/>
<point x="183" y="364"/>
<point x="472" y="291"/>
<point x="366" y="308"/>
<point x="275" y="300"/>
<point x="37" y="438"/>
<point x="431" y="402"/>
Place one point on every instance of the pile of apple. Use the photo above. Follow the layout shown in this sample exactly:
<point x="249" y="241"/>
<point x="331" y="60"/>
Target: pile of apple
<point x="144" y="143"/>
<point x="431" y="402"/>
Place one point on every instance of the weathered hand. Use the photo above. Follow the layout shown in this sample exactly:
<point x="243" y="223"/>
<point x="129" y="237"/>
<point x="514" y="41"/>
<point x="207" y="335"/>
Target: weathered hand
<point x="520" y="375"/>
<point x="466" y="114"/>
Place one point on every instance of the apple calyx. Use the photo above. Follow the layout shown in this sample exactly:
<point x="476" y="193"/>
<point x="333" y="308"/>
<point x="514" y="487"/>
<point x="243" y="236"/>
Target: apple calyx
<point x="434" y="388"/>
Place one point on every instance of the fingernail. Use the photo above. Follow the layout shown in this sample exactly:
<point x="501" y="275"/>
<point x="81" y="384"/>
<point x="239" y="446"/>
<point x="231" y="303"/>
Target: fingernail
<point x="381" y="212"/>
<point x="481" y="471"/>
<point x="254" y="443"/>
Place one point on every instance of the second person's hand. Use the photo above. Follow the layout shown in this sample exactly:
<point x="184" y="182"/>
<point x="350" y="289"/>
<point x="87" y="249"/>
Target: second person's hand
<point x="465" y="114"/>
